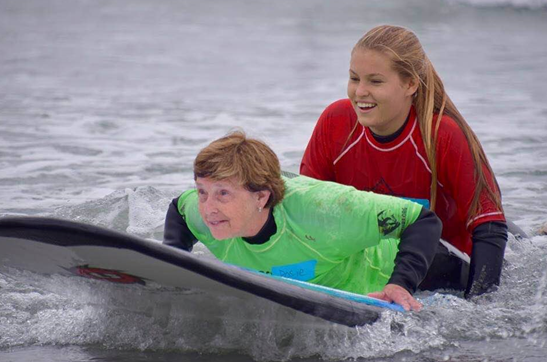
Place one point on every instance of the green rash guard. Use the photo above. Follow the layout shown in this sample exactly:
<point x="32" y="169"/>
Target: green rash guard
<point x="327" y="234"/>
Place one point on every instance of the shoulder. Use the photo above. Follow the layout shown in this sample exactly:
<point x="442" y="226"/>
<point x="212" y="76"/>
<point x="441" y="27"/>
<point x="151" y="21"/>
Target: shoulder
<point x="448" y="128"/>
<point x="320" y="194"/>
<point x="303" y="190"/>
<point x="450" y="138"/>
<point x="336" y="121"/>
<point x="188" y="208"/>
<point x="341" y="108"/>
<point x="299" y="185"/>
<point x="186" y="198"/>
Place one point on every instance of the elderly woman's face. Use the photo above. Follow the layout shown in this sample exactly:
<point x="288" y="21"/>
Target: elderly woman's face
<point x="228" y="209"/>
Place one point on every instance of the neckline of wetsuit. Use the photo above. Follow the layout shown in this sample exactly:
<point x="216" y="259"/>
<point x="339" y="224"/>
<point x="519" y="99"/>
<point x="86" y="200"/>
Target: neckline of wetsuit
<point x="269" y="229"/>
<point x="393" y="136"/>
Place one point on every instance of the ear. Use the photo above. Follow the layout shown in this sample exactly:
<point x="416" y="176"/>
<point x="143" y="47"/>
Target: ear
<point x="412" y="86"/>
<point x="263" y="197"/>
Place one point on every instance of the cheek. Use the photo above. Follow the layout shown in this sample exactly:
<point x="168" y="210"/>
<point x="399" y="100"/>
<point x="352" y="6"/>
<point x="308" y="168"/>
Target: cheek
<point x="240" y="217"/>
<point x="350" y="89"/>
<point x="398" y="94"/>
<point x="201" y="211"/>
<point x="388" y="98"/>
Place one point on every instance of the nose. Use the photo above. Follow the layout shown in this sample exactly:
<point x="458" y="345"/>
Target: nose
<point x="208" y="205"/>
<point x="362" y="90"/>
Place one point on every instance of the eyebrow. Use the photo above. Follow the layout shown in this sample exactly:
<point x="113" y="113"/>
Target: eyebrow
<point x="369" y="75"/>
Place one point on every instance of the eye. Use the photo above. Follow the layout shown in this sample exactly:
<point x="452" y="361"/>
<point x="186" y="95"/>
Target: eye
<point x="376" y="81"/>
<point x="353" y="78"/>
<point x="224" y="195"/>
<point x="202" y="195"/>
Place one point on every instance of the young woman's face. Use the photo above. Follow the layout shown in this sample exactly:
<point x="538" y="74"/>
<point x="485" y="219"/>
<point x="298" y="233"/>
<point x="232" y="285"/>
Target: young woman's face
<point x="381" y="99"/>
<point x="229" y="210"/>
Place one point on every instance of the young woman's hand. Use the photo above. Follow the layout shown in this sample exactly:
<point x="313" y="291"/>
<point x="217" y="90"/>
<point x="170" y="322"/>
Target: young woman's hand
<point x="396" y="294"/>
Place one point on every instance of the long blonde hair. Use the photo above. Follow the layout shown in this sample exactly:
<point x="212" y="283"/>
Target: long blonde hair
<point x="410" y="62"/>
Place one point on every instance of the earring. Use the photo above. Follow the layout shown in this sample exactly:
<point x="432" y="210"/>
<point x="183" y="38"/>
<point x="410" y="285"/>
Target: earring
<point x="259" y="209"/>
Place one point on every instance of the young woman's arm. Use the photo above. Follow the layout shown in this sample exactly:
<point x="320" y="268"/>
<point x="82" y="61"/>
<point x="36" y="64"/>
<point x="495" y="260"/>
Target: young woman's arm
<point x="488" y="228"/>
<point x="489" y="240"/>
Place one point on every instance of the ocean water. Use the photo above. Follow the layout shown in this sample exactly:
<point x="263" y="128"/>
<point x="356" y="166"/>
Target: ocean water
<point x="104" y="104"/>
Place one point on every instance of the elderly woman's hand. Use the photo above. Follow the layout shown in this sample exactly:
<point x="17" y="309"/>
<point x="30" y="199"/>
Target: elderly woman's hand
<point x="396" y="294"/>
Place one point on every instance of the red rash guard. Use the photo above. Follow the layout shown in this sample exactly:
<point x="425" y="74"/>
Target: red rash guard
<point x="400" y="167"/>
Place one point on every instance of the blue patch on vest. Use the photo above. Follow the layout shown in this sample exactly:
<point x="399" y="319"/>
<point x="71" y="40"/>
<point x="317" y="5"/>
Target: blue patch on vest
<point x="300" y="271"/>
<point x="423" y="202"/>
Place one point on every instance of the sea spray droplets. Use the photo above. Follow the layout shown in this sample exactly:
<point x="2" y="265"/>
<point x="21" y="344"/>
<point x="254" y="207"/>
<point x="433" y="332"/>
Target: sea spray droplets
<point x="143" y="204"/>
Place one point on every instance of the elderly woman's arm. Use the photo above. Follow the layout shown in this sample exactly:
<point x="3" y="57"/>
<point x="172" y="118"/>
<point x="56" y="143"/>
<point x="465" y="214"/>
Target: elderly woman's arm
<point x="417" y="249"/>
<point x="176" y="232"/>
<point x="416" y="252"/>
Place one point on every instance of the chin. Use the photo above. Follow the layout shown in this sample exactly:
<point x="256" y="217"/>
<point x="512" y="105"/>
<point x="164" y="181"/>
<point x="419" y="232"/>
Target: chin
<point x="222" y="235"/>
<point x="364" y="122"/>
<point x="367" y="122"/>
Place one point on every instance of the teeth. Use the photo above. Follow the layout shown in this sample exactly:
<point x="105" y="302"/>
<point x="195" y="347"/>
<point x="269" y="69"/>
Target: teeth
<point x="365" y="105"/>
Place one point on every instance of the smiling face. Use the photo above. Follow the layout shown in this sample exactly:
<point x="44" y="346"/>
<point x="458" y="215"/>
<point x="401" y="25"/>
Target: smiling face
<point x="229" y="210"/>
<point x="381" y="99"/>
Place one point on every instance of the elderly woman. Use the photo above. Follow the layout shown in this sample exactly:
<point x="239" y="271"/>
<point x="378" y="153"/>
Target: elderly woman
<point x="246" y="213"/>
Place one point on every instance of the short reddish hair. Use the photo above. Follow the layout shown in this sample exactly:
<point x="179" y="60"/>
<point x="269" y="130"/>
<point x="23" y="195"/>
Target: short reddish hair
<point x="251" y="162"/>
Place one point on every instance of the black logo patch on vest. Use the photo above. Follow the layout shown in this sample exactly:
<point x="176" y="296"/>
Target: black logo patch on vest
<point x="387" y="222"/>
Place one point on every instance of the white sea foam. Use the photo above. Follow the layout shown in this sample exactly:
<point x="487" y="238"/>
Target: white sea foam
<point x="519" y="4"/>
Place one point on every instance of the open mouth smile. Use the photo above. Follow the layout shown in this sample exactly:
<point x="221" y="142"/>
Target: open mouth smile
<point x="365" y="106"/>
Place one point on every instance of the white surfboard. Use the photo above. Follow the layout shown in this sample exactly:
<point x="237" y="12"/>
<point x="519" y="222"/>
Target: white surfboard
<point x="51" y="246"/>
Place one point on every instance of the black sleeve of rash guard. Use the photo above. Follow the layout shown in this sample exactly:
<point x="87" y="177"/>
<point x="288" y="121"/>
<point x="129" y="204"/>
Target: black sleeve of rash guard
<point x="176" y="232"/>
<point x="417" y="249"/>
<point x="489" y="240"/>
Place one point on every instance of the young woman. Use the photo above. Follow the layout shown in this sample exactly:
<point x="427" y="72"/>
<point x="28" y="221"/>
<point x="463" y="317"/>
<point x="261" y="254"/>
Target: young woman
<point x="398" y="133"/>
<point x="325" y="233"/>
